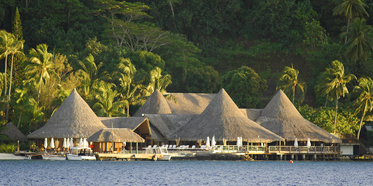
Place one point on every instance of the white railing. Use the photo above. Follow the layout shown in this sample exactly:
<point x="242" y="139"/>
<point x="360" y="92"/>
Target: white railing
<point x="303" y="149"/>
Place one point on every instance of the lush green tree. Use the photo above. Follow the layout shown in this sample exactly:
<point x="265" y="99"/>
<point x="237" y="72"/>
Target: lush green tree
<point x="146" y="61"/>
<point x="90" y="72"/>
<point x="245" y="86"/>
<point x="364" y="102"/>
<point x="7" y="41"/>
<point x="157" y="80"/>
<point x="107" y="104"/>
<point x="201" y="80"/>
<point x="350" y="9"/>
<point x="289" y="82"/>
<point x="22" y="100"/>
<point x="314" y="34"/>
<point x="359" y="43"/>
<point x="324" y="118"/>
<point x="335" y="84"/>
<point x="41" y="66"/>
<point x="17" y="26"/>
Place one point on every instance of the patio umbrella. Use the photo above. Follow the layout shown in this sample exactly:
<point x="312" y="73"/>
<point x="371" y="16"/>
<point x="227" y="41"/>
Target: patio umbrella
<point x="238" y="143"/>
<point x="308" y="143"/>
<point x="45" y="143"/>
<point x="64" y="143"/>
<point x="208" y="142"/>
<point x="71" y="142"/>
<point x="52" y="143"/>
<point x="296" y="142"/>
<point x="213" y="141"/>
<point x="67" y="143"/>
<point x="85" y="143"/>
<point x="81" y="142"/>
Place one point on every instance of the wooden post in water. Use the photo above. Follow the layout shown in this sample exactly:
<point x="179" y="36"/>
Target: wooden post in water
<point x="304" y="156"/>
<point x="315" y="157"/>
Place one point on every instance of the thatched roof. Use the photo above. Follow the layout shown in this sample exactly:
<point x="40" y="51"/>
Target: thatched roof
<point x="281" y="117"/>
<point x="155" y="104"/>
<point x="168" y="123"/>
<point x="133" y="123"/>
<point x="252" y="114"/>
<point x="189" y="103"/>
<point x="223" y="119"/>
<point x="156" y="135"/>
<point x="116" y="135"/>
<point x="13" y="133"/>
<point x="73" y="119"/>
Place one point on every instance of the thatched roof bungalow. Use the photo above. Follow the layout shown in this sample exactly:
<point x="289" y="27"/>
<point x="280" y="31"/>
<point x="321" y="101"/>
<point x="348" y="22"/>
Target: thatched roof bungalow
<point x="73" y="119"/>
<point x="116" y="135"/>
<point x="13" y="133"/>
<point x="155" y="104"/>
<point x="281" y="117"/>
<point x="224" y="120"/>
<point x="139" y="125"/>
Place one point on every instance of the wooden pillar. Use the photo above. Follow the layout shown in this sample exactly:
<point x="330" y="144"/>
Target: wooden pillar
<point x="280" y="156"/>
<point x="304" y="156"/>
<point x="315" y="157"/>
<point x="131" y="147"/>
<point x="292" y="156"/>
<point x="137" y="148"/>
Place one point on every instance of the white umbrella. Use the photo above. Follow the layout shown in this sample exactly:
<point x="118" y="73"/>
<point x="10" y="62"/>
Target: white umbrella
<point x="238" y="143"/>
<point x="45" y="143"/>
<point x="296" y="142"/>
<point x="71" y="142"/>
<point x="81" y="142"/>
<point x="213" y="141"/>
<point x="67" y="143"/>
<point x="85" y="143"/>
<point x="308" y="143"/>
<point x="208" y="142"/>
<point x="64" y="143"/>
<point x="52" y="143"/>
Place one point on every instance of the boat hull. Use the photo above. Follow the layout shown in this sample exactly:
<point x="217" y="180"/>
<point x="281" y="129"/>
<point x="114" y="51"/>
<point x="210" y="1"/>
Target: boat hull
<point x="53" y="157"/>
<point x="74" y="157"/>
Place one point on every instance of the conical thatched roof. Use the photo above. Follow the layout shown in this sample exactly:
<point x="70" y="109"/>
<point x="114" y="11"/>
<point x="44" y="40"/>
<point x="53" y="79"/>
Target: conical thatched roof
<point x="252" y="114"/>
<point x="155" y="104"/>
<point x="13" y="133"/>
<point x="74" y="119"/>
<point x="281" y="117"/>
<point x="116" y="135"/>
<point x="223" y="119"/>
<point x="189" y="103"/>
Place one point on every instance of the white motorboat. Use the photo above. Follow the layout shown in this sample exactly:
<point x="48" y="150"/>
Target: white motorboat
<point x="80" y="153"/>
<point x="10" y="156"/>
<point x="158" y="150"/>
<point x="53" y="157"/>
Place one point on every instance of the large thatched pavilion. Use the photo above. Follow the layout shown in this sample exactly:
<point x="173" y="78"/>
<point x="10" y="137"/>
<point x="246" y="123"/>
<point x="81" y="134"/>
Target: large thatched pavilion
<point x="281" y="117"/>
<point x="224" y="120"/>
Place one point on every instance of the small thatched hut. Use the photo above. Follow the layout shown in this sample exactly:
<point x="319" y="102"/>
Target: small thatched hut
<point x="113" y="138"/>
<point x="14" y="133"/>
<point x="139" y="125"/>
<point x="155" y="104"/>
<point x="224" y="120"/>
<point x="281" y="117"/>
<point x="73" y="119"/>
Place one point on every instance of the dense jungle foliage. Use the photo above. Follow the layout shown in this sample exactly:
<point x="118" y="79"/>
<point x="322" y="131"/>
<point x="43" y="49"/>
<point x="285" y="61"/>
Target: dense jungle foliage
<point x="116" y="53"/>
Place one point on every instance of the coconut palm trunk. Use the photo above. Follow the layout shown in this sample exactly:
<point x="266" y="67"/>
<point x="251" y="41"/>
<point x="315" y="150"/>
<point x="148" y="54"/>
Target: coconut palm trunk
<point x="361" y="120"/>
<point x="335" y="114"/>
<point x="10" y="88"/>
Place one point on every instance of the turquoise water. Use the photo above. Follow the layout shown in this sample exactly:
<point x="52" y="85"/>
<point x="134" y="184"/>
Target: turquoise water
<point x="26" y="172"/>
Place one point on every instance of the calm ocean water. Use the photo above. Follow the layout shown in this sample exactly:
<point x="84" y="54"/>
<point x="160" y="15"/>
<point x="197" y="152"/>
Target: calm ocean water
<point x="189" y="173"/>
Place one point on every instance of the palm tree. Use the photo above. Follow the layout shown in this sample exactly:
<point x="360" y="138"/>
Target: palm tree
<point x="7" y="40"/>
<point x="128" y="87"/>
<point x="335" y="84"/>
<point x="107" y="104"/>
<point x="359" y="44"/>
<point x="364" y="102"/>
<point x="41" y="66"/>
<point x="290" y="82"/>
<point x="351" y="9"/>
<point x="15" y="48"/>
<point x="22" y="101"/>
<point x="158" y="81"/>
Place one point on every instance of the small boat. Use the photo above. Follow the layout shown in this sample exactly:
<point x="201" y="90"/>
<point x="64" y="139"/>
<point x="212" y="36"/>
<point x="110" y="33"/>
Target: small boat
<point x="53" y="157"/>
<point x="9" y="156"/>
<point x="80" y="153"/>
<point x="161" y="153"/>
